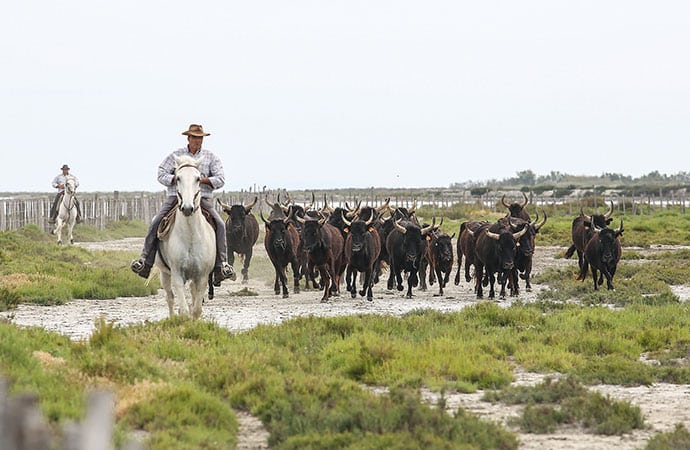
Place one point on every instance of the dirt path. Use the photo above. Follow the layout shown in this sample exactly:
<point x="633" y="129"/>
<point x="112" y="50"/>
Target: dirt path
<point x="663" y="405"/>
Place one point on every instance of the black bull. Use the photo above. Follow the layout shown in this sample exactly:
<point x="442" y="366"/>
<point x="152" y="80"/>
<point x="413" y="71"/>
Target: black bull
<point x="495" y="249"/>
<point x="281" y="242"/>
<point x="602" y="253"/>
<point x="582" y="232"/>
<point x="362" y="249"/>
<point x="441" y="256"/>
<point x="241" y="232"/>
<point x="406" y="246"/>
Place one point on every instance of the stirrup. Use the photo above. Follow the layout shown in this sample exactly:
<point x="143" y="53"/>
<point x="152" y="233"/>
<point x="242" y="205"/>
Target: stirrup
<point x="228" y="272"/>
<point x="139" y="267"/>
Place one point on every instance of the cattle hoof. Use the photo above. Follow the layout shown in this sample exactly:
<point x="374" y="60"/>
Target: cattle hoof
<point x="371" y="299"/>
<point x="286" y="295"/>
<point x="400" y="287"/>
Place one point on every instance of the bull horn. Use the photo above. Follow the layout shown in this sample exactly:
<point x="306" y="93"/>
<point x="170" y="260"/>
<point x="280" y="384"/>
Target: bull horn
<point x="384" y="206"/>
<point x="620" y="229"/>
<point x="492" y="235"/>
<point x="596" y="228"/>
<point x="608" y="214"/>
<point x="470" y="231"/>
<point x="413" y="208"/>
<point x="261" y="214"/>
<point x="352" y="212"/>
<point x="287" y="215"/>
<point x="309" y="205"/>
<point x="326" y="208"/>
<point x="348" y="223"/>
<point x="225" y="207"/>
<point x="399" y="227"/>
<point x="289" y="199"/>
<point x="268" y="203"/>
<point x="537" y="227"/>
<point x="503" y="200"/>
<point x="440" y="223"/>
<point x="283" y="206"/>
<point x="426" y="230"/>
<point x="585" y="217"/>
<point x="519" y="234"/>
<point x="300" y="219"/>
<point x="526" y="200"/>
<point x="248" y="207"/>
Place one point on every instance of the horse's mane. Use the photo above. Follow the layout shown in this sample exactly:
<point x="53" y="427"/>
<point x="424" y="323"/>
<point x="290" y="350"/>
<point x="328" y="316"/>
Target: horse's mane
<point x="186" y="160"/>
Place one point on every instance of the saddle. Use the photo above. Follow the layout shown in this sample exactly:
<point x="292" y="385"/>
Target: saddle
<point x="169" y="219"/>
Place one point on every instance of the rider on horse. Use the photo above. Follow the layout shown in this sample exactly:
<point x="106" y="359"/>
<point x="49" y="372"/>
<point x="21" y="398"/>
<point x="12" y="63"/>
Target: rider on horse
<point x="59" y="184"/>
<point x="213" y="177"/>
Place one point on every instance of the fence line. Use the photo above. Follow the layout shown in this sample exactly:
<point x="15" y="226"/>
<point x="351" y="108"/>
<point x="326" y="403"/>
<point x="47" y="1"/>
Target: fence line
<point x="24" y="427"/>
<point x="99" y="209"/>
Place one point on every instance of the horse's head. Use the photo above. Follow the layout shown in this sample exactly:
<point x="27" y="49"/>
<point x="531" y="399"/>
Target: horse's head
<point x="187" y="181"/>
<point x="70" y="184"/>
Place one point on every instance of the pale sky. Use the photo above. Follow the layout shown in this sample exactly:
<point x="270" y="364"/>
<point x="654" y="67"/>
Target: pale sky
<point x="343" y="93"/>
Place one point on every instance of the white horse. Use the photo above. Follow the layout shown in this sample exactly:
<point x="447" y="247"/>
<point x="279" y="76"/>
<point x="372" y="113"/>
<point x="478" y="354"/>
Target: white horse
<point x="67" y="211"/>
<point x="187" y="252"/>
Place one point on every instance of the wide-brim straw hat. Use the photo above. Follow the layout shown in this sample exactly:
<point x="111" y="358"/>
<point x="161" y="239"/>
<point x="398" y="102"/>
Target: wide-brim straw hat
<point x="64" y="167"/>
<point x="195" y="130"/>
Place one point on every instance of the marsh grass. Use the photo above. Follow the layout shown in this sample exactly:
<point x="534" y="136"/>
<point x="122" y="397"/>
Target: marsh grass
<point x="304" y="378"/>
<point x="678" y="439"/>
<point x="556" y="402"/>
<point x="179" y="380"/>
<point x="34" y="269"/>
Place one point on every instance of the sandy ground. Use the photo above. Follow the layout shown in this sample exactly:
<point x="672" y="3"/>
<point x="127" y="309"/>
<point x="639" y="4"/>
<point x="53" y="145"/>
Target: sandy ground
<point x="663" y="405"/>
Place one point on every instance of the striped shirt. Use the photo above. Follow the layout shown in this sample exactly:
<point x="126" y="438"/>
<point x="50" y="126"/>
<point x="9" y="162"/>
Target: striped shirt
<point x="60" y="180"/>
<point x="211" y="167"/>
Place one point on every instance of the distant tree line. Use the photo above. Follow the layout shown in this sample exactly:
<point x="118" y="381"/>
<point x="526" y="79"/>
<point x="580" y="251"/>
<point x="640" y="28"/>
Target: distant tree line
<point x="653" y="183"/>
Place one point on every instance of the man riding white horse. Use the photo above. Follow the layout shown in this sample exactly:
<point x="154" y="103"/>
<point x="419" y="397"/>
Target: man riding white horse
<point x="212" y="177"/>
<point x="59" y="184"/>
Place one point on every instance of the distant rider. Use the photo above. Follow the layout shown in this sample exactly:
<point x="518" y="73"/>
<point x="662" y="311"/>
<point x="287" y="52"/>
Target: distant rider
<point x="59" y="184"/>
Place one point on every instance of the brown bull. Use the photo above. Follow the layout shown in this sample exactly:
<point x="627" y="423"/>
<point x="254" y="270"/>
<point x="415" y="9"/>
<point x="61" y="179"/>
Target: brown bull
<point x="582" y="231"/>
<point x="517" y="209"/>
<point x="465" y="247"/>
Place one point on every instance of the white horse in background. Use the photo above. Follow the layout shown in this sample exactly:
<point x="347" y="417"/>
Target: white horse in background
<point x="67" y="211"/>
<point x="187" y="252"/>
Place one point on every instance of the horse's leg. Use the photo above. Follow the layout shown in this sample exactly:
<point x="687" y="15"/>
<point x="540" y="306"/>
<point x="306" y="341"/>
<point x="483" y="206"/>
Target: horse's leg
<point x="210" y="286"/>
<point x="70" y="227"/>
<point x="58" y="230"/>
<point x="197" y="289"/>
<point x="177" y="284"/>
<point x="169" y="296"/>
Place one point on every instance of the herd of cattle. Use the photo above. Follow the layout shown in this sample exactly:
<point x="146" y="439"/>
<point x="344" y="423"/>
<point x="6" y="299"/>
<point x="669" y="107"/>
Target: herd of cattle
<point x="321" y="245"/>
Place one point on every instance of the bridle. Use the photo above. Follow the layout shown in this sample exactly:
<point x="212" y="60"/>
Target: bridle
<point x="197" y="202"/>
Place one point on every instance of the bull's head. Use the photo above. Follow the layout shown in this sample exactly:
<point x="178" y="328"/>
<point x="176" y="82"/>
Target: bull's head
<point x="597" y="218"/>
